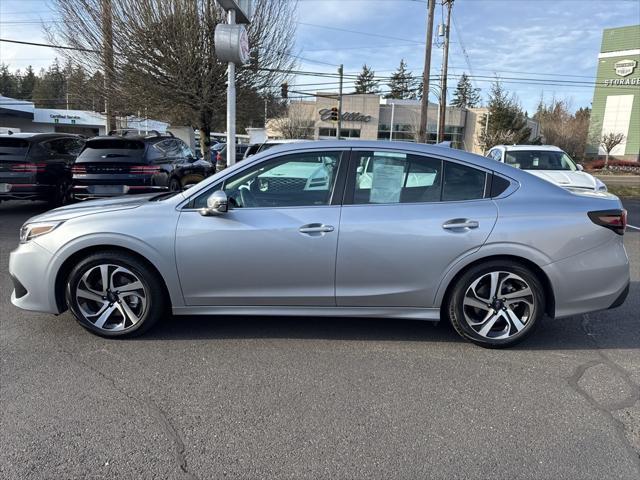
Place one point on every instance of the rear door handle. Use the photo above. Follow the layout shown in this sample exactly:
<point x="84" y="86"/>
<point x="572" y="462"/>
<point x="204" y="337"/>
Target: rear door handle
<point x="453" y="224"/>
<point x="316" y="228"/>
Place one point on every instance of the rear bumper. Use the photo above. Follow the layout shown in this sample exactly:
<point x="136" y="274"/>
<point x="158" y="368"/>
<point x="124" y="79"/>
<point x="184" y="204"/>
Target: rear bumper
<point x="596" y="279"/>
<point x="85" y="192"/>
<point x="26" y="191"/>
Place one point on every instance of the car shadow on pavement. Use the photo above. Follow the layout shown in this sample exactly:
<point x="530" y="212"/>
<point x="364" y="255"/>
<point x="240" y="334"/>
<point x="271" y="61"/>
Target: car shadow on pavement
<point x="616" y="329"/>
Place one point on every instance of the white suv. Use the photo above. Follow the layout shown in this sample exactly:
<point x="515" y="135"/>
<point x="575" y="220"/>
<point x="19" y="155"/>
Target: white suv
<point x="547" y="162"/>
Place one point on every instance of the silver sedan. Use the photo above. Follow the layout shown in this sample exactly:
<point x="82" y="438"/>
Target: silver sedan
<point x="351" y="228"/>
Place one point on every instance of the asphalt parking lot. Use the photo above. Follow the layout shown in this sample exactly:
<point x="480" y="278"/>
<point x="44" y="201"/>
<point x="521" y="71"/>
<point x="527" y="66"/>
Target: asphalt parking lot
<point x="317" y="398"/>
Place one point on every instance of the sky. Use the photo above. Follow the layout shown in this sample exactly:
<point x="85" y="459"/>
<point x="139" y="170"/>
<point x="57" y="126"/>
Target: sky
<point x="534" y="46"/>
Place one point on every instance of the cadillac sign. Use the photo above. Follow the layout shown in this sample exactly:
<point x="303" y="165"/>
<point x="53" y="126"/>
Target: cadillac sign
<point x="625" y="67"/>
<point x="325" y="115"/>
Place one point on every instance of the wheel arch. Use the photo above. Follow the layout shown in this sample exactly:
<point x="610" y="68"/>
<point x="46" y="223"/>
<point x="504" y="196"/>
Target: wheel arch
<point x="535" y="269"/>
<point x="65" y="270"/>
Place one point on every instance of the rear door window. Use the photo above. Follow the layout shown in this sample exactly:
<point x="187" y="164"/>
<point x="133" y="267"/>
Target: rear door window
<point x="462" y="182"/>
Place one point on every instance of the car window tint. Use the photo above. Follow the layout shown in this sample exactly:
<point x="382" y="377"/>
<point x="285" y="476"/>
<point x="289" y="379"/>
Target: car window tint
<point x="58" y="146"/>
<point x="301" y="179"/>
<point x="112" y="150"/>
<point x="462" y="182"/>
<point x="385" y="177"/>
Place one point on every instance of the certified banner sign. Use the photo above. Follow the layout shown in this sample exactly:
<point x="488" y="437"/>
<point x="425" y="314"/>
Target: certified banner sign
<point x="625" y="67"/>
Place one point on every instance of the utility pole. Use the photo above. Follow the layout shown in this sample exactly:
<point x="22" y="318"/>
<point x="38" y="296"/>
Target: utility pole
<point x="265" y="112"/>
<point x="338" y="130"/>
<point x="424" y="103"/>
<point x="231" y="101"/>
<point x="443" y="83"/>
<point x="107" y="41"/>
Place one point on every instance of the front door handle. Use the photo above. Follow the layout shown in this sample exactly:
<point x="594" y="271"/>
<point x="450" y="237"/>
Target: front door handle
<point x="316" y="228"/>
<point x="460" y="223"/>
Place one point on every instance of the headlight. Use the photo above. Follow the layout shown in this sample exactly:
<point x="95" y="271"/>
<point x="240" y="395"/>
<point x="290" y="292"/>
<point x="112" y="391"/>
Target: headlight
<point x="30" y="231"/>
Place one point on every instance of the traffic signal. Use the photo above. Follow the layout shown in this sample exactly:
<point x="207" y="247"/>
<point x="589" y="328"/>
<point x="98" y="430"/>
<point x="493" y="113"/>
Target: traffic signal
<point x="284" y="90"/>
<point x="334" y="114"/>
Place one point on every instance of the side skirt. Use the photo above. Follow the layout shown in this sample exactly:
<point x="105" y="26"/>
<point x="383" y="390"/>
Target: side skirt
<point x="431" y="314"/>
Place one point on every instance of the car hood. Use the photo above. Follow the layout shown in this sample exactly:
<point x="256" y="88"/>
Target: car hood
<point x="93" y="206"/>
<point x="566" y="178"/>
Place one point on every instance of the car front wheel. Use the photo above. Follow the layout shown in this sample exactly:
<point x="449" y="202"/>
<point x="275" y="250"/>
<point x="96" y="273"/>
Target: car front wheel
<point x="496" y="304"/>
<point x="114" y="294"/>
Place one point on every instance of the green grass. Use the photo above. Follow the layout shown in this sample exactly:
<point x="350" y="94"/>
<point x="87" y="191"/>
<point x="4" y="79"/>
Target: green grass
<point x="625" y="190"/>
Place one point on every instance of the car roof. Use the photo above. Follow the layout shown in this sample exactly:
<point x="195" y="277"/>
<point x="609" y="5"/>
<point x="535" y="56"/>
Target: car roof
<point x="139" y="138"/>
<point x="551" y="148"/>
<point x="38" y="136"/>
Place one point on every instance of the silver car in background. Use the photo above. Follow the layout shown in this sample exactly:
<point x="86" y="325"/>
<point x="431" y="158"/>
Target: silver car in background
<point x="349" y="228"/>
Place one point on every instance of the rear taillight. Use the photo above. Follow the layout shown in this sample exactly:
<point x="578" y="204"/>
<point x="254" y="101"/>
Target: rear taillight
<point x="78" y="170"/>
<point x="218" y="157"/>
<point x="615" y="220"/>
<point x="145" y="169"/>
<point x="29" y="167"/>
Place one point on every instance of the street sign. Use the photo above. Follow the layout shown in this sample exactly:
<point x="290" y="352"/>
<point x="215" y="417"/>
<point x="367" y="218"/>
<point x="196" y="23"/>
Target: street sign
<point x="232" y="43"/>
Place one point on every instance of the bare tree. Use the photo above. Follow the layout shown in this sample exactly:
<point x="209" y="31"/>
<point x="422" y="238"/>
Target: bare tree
<point x="295" y="124"/>
<point x="608" y="142"/>
<point x="497" y="137"/>
<point x="164" y="55"/>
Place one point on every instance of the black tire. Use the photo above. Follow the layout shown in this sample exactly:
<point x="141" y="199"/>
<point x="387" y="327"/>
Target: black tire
<point x="150" y="311"/>
<point x="174" y="185"/>
<point x="62" y="194"/>
<point x="460" y="293"/>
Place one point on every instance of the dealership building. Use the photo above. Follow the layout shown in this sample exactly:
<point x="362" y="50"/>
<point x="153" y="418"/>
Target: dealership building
<point x="371" y="117"/>
<point x="616" y="100"/>
<point x="23" y="116"/>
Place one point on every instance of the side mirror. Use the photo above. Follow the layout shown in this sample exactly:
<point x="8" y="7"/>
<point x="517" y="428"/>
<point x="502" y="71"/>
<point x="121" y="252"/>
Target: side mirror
<point x="580" y="167"/>
<point x="216" y="204"/>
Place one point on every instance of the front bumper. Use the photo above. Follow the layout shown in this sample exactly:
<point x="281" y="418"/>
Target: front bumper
<point x="34" y="282"/>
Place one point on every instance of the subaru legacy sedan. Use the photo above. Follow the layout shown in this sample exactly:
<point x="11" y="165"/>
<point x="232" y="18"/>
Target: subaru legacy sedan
<point x="349" y="228"/>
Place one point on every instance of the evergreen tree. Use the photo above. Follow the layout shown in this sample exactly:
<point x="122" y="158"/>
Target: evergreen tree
<point x="50" y="90"/>
<point x="507" y="121"/>
<point x="366" y="83"/>
<point x="402" y="84"/>
<point x="28" y="83"/>
<point x="9" y="83"/>
<point x="465" y="95"/>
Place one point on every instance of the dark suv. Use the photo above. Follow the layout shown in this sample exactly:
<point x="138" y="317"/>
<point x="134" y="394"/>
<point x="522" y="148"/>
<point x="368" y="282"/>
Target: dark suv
<point x="37" y="166"/>
<point x="121" y="164"/>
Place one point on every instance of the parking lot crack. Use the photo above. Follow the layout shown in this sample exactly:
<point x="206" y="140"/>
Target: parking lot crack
<point x="154" y="410"/>
<point x="608" y="408"/>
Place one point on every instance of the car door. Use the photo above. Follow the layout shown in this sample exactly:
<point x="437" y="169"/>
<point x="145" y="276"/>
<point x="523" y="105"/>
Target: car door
<point x="277" y="243"/>
<point x="407" y="219"/>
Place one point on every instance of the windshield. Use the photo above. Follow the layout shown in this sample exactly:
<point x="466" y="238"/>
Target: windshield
<point x="539" y="160"/>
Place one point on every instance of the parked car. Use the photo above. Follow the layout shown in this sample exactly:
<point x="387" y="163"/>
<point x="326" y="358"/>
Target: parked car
<point x="485" y="245"/>
<point x="254" y="148"/>
<point x="37" y="166"/>
<point x="219" y="152"/>
<point x="117" y="165"/>
<point x="547" y="162"/>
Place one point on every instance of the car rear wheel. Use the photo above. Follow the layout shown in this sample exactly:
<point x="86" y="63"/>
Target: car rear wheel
<point x="174" y="185"/>
<point x="114" y="294"/>
<point x="62" y="194"/>
<point x="496" y="304"/>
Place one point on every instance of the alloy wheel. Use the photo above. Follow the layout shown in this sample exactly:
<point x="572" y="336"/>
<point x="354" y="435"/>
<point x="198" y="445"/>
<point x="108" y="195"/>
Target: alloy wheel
<point x="498" y="305"/>
<point x="111" y="297"/>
